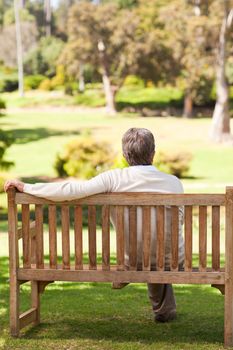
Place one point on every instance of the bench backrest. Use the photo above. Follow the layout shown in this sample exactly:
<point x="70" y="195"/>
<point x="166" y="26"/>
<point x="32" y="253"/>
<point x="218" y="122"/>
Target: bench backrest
<point x="208" y="214"/>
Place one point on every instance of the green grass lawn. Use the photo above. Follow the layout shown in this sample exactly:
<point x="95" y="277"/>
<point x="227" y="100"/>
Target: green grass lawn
<point x="92" y="316"/>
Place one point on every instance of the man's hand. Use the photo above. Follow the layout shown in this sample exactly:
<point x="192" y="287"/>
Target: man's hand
<point x="14" y="183"/>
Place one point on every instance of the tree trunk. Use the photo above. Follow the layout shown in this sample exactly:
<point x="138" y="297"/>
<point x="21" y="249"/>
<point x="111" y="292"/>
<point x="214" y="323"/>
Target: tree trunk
<point x="19" y="48"/>
<point x="48" y="17"/>
<point x="109" y="95"/>
<point x="188" y="106"/>
<point x="81" y="85"/>
<point x="220" y="128"/>
<point x="108" y="89"/>
<point x="22" y="4"/>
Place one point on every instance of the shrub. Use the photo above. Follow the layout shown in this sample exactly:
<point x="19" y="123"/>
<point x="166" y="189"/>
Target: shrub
<point x="133" y="80"/>
<point x="2" y="106"/>
<point x="5" y="142"/>
<point x="8" y="84"/>
<point x="33" y="81"/>
<point x="45" y="85"/>
<point x="91" y="98"/>
<point x="175" y="163"/>
<point x="59" y="79"/>
<point x="84" y="158"/>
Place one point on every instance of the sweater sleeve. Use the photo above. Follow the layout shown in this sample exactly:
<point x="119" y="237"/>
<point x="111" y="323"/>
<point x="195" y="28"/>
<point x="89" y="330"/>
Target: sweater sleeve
<point x="69" y="190"/>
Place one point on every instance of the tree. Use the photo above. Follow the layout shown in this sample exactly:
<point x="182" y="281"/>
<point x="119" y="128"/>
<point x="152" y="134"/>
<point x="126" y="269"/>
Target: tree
<point x="220" y="129"/>
<point x="19" y="47"/>
<point x="48" y="17"/>
<point x="190" y="33"/>
<point x="115" y="41"/>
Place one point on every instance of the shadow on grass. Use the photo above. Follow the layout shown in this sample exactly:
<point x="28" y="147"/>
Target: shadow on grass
<point x="22" y="136"/>
<point x="95" y="312"/>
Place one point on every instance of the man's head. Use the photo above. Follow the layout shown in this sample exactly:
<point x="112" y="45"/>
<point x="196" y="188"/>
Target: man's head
<point x="138" y="146"/>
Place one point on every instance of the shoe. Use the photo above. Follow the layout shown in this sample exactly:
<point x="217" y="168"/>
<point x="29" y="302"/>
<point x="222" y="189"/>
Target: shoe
<point x="165" y="318"/>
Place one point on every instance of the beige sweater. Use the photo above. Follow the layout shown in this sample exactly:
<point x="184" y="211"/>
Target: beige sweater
<point x="132" y="179"/>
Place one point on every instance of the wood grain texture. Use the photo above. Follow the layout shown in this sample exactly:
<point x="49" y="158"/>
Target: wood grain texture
<point x="39" y="236"/>
<point x="65" y="228"/>
<point x="160" y="244"/>
<point x="133" y="198"/>
<point x="228" y="317"/>
<point x="188" y="226"/>
<point x="123" y="276"/>
<point x="132" y="238"/>
<point x="26" y="236"/>
<point x="92" y="236"/>
<point x="106" y="237"/>
<point x="146" y="234"/>
<point x="13" y="263"/>
<point x="175" y="239"/>
<point x="52" y="237"/>
<point x="215" y="238"/>
<point x="120" y="237"/>
<point x="202" y="237"/>
<point x="78" y="234"/>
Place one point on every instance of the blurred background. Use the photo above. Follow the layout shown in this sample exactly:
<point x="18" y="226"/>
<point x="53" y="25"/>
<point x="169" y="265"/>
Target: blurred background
<point x="75" y="75"/>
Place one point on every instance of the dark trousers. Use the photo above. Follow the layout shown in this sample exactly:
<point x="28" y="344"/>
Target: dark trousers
<point x="162" y="298"/>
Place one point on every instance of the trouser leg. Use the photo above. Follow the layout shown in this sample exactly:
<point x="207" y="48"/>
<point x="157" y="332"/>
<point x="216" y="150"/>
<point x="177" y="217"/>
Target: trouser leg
<point x="162" y="299"/>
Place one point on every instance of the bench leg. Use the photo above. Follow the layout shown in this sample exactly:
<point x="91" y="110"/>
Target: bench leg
<point x="14" y="307"/>
<point x="35" y="300"/>
<point x="228" y="316"/>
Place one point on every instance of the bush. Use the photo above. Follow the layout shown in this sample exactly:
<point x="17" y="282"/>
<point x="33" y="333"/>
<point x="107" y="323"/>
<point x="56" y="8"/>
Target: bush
<point x="33" y="81"/>
<point x="175" y="163"/>
<point x="133" y="80"/>
<point x="91" y="98"/>
<point x="84" y="158"/>
<point x="2" y="106"/>
<point x="45" y="85"/>
<point x="8" y="84"/>
<point x="59" y="79"/>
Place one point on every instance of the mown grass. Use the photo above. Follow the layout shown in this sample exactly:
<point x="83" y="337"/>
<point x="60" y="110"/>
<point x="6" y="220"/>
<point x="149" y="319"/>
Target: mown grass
<point x="93" y="316"/>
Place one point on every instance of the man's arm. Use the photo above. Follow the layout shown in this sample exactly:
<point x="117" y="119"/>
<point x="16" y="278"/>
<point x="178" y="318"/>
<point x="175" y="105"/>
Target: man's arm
<point x="66" y="190"/>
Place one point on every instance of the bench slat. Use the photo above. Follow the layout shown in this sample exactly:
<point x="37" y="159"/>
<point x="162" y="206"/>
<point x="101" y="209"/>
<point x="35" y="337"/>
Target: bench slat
<point x="120" y="237"/>
<point x="26" y="236"/>
<point x="52" y="237"/>
<point x="133" y="198"/>
<point x="215" y="238"/>
<point x="92" y="236"/>
<point x="106" y="237"/>
<point x="122" y="276"/>
<point x="202" y="237"/>
<point x="65" y="227"/>
<point x="188" y="226"/>
<point x="175" y="239"/>
<point x="39" y="236"/>
<point x="146" y="234"/>
<point x="133" y="238"/>
<point x="78" y="234"/>
<point x="160" y="218"/>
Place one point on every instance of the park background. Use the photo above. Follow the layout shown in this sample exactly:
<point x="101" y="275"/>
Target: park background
<point x="74" y="76"/>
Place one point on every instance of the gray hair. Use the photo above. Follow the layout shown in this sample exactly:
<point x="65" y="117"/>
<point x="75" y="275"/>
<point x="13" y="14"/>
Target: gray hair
<point x="138" y="146"/>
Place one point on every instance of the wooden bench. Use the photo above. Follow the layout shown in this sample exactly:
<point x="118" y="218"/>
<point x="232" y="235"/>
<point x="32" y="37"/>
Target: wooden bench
<point x="205" y="209"/>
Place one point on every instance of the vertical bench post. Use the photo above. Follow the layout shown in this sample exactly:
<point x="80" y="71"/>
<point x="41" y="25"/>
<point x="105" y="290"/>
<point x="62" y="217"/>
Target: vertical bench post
<point x="14" y="263"/>
<point x="228" y="315"/>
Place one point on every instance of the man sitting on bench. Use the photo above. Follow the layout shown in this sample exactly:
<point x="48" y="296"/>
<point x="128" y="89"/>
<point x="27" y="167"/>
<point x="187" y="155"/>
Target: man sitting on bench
<point x="141" y="176"/>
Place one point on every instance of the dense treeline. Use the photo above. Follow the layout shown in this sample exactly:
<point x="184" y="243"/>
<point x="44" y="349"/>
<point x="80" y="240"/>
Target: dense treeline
<point x="181" y="43"/>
